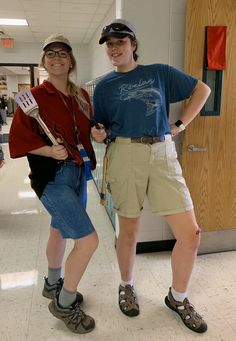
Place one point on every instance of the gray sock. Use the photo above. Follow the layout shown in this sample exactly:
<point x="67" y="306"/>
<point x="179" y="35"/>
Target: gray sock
<point x="53" y="275"/>
<point x="66" y="298"/>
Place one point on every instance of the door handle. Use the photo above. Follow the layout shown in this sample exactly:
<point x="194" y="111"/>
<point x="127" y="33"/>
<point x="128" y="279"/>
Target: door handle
<point x="192" y="148"/>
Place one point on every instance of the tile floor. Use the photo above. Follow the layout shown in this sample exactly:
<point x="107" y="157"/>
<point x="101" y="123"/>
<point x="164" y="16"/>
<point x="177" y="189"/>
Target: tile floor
<point x="24" y="315"/>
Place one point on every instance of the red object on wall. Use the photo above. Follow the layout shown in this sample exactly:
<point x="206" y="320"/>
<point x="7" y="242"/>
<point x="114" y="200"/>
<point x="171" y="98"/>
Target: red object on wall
<point x="215" y="47"/>
<point x="7" y="43"/>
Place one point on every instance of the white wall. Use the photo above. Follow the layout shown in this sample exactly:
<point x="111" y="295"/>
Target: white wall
<point x="99" y="63"/>
<point x="166" y="29"/>
<point x="30" y="53"/>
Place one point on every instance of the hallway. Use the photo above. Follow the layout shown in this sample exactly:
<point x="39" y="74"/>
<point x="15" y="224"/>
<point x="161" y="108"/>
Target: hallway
<point x="24" y="315"/>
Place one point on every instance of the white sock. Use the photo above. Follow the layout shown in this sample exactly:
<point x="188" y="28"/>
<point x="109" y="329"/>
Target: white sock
<point x="131" y="282"/>
<point x="178" y="296"/>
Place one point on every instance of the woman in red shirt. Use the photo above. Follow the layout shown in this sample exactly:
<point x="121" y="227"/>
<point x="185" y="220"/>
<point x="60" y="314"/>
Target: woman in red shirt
<point x="58" y="177"/>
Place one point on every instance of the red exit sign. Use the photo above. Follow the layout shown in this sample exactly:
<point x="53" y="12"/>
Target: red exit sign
<point x="7" y="43"/>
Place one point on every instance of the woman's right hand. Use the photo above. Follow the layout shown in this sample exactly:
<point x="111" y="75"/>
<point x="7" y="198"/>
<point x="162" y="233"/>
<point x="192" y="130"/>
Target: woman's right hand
<point x="59" y="152"/>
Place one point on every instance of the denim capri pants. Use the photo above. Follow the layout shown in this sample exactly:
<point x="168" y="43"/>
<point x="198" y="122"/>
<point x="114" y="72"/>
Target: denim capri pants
<point x="65" y="199"/>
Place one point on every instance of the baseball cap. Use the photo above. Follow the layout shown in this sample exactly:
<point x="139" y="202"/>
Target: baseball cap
<point x="118" y="28"/>
<point x="56" y="38"/>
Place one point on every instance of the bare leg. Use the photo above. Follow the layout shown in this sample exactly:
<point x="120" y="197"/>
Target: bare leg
<point x="126" y="246"/>
<point x="186" y="232"/>
<point x="78" y="260"/>
<point x="55" y="248"/>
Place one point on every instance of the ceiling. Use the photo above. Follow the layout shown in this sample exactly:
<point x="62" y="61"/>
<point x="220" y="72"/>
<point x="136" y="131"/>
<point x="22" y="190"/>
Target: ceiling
<point x="78" y="20"/>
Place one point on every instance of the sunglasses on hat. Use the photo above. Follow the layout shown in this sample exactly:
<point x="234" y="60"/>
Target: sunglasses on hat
<point x="116" y="27"/>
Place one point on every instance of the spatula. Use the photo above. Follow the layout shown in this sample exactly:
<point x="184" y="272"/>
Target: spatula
<point x="28" y="104"/>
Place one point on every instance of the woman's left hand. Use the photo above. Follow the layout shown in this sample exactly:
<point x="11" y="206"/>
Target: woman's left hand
<point x="174" y="130"/>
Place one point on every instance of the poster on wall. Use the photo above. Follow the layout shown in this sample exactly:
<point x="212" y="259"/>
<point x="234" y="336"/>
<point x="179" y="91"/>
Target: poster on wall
<point x="22" y="87"/>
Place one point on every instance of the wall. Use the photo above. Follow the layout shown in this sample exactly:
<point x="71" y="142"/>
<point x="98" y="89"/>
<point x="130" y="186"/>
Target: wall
<point x="13" y="81"/>
<point x="30" y="53"/>
<point x="166" y="27"/>
<point x="99" y="63"/>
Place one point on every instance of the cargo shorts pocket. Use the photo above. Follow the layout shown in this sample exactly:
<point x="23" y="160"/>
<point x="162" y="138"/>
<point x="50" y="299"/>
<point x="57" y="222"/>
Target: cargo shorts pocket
<point x="118" y="173"/>
<point x="118" y="191"/>
<point x="173" y="164"/>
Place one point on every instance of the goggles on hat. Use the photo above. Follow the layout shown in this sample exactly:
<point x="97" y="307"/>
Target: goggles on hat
<point x="117" y="27"/>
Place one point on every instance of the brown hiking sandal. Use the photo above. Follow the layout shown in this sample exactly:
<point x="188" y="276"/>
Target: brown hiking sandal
<point x="128" y="301"/>
<point x="50" y="291"/>
<point x="187" y="312"/>
<point x="73" y="317"/>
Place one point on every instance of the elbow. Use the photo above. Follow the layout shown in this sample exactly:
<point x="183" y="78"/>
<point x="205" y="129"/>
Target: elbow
<point x="203" y="88"/>
<point x="207" y="89"/>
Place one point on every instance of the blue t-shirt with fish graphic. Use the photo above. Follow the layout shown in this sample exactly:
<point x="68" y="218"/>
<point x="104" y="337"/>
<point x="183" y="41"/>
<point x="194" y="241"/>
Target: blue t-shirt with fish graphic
<point x="136" y="103"/>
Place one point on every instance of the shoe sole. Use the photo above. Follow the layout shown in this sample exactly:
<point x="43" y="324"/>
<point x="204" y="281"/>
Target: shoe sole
<point x="48" y="295"/>
<point x="54" y="313"/>
<point x="130" y="313"/>
<point x="167" y="302"/>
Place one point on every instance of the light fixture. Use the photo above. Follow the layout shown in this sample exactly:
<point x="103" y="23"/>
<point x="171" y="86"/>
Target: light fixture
<point x="13" y="22"/>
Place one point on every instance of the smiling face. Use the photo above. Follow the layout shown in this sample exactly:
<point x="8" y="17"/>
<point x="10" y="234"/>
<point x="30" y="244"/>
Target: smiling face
<point x="120" y="52"/>
<point x="57" y="60"/>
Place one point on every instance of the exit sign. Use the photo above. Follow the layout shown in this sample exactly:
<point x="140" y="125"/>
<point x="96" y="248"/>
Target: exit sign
<point x="7" y="43"/>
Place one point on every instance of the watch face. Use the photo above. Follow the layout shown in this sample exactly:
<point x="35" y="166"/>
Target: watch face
<point x="178" y="123"/>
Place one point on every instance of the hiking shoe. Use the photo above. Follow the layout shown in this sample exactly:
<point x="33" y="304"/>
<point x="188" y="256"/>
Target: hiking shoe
<point x="73" y="317"/>
<point x="187" y="312"/>
<point x="128" y="301"/>
<point x="50" y="291"/>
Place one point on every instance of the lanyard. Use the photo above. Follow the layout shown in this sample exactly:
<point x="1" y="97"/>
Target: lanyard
<point x="82" y="151"/>
<point x="73" y="115"/>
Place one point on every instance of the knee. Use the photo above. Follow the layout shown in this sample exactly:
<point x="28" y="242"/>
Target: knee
<point x="192" y="241"/>
<point x="128" y="238"/>
<point x="88" y="243"/>
<point x="129" y="228"/>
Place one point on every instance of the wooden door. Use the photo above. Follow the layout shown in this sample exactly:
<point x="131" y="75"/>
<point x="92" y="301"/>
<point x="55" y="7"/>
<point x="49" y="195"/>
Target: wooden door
<point x="211" y="175"/>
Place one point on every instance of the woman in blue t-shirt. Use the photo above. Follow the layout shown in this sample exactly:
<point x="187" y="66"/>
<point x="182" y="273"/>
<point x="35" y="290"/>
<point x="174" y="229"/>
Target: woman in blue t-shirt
<point x="131" y="105"/>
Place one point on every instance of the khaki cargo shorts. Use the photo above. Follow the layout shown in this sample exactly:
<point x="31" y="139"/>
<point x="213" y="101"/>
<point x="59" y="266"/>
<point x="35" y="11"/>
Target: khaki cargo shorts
<point x="136" y="170"/>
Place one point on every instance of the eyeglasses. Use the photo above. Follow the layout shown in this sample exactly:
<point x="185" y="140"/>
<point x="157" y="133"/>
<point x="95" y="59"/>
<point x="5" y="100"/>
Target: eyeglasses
<point x="116" y="27"/>
<point x="52" y="54"/>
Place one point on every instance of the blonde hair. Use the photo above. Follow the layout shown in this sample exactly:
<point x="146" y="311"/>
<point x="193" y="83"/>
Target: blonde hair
<point x="73" y="89"/>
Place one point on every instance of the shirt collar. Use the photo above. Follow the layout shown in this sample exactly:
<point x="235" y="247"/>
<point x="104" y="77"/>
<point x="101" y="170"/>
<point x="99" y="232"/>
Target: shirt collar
<point x="49" y="87"/>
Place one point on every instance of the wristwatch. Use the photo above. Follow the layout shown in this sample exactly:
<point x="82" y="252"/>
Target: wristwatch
<point x="180" y="125"/>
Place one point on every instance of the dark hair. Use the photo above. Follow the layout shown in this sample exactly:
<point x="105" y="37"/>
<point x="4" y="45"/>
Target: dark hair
<point x="134" y="42"/>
